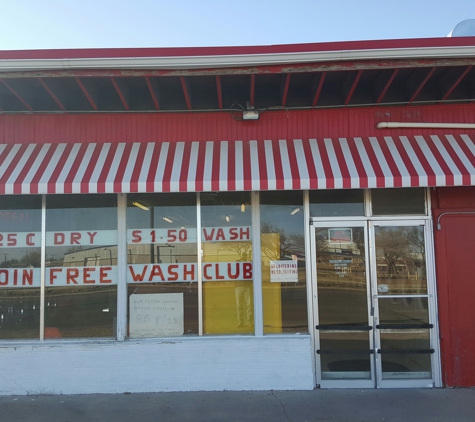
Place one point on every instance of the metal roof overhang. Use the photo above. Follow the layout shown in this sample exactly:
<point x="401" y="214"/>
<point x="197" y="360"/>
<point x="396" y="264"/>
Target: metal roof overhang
<point x="349" y="74"/>
<point x="238" y="165"/>
<point x="329" y="75"/>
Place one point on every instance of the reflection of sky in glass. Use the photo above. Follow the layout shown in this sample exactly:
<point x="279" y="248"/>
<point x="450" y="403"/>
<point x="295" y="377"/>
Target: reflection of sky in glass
<point x="336" y="203"/>
<point x="215" y="216"/>
<point x="20" y="220"/>
<point x="218" y="208"/>
<point x="81" y="219"/>
<point x="280" y="216"/>
<point x="180" y="216"/>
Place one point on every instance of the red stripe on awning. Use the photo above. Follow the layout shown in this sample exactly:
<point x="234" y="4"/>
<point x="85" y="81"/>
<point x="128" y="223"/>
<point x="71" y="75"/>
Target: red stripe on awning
<point x="172" y="167"/>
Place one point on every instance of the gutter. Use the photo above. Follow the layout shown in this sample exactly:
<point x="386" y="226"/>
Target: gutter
<point x="229" y="61"/>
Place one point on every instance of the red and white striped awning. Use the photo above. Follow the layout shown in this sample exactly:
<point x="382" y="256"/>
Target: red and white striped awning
<point x="238" y="165"/>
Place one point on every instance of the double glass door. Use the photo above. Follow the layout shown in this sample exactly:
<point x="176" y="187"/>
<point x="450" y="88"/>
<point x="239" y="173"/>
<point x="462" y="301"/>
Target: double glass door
<point x="373" y="302"/>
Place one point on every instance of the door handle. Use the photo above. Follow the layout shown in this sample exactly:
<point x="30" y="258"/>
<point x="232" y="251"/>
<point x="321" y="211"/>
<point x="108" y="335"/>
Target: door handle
<point x="345" y="327"/>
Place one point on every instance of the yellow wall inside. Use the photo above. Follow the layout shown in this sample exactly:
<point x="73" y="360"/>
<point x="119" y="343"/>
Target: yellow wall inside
<point x="221" y="298"/>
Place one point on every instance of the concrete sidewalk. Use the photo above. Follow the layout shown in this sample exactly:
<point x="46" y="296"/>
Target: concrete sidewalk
<point x="276" y="406"/>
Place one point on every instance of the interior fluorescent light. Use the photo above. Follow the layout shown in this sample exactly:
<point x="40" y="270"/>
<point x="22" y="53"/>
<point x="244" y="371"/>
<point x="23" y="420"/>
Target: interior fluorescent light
<point x="142" y="206"/>
<point x="243" y="207"/>
<point x="228" y="219"/>
<point x="295" y="211"/>
<point x="167" y="220"/>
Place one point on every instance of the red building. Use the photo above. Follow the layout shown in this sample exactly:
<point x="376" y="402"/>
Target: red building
<point x="269" y="217"/>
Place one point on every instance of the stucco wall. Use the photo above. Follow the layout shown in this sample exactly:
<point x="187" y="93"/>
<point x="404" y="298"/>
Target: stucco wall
<point x="195" y="364"/>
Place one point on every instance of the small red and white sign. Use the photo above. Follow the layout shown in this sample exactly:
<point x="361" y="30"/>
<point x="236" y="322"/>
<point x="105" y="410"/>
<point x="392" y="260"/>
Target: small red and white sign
<point x="338" y="235"/>
<point x="284" y="271"/>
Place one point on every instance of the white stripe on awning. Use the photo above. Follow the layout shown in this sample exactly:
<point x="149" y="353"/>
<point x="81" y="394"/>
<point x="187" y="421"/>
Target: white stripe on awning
<point x="238" y="165"/>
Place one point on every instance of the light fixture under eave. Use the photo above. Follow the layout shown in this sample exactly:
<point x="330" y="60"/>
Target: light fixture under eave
<point x="295" y="211"/>
<point x="250" y="115"/>
<point x="141" y="206"/>
<point x="243" y="207"/>
<point x="167" y="220"/>
<point x="228" y="219"/>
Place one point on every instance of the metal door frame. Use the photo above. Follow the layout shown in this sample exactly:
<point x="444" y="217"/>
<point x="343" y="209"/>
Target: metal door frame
<point x="346" y="383"/>
<point x="368" y="224"/>
<point x="435" y="380"/>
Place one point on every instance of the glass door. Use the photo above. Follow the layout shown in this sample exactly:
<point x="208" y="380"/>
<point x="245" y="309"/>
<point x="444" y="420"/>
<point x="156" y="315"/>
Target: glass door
<point x="344" y="324"/>
<point x="374" y="304"/>
<point x="403" y="328"/>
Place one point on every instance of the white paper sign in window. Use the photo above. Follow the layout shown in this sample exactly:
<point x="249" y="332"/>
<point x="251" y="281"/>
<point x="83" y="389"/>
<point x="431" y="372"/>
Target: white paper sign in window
<point x="155" y="315"/>
<point x="284" y="271"/>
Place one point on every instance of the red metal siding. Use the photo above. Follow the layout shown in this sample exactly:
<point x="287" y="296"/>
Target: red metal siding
<point x="219" y="126"/>
<point x="455" y="254"/>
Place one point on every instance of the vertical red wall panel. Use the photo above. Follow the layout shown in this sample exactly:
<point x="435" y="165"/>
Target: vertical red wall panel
<point x="455" y="258"/>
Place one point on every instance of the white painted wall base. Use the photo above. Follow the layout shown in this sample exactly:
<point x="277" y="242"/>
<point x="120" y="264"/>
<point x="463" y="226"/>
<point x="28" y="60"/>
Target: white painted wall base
<point x="192" y="364"/>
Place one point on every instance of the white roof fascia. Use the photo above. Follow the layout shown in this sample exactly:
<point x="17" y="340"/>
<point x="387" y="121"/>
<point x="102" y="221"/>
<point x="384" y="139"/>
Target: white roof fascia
<point x="224" y="61"/>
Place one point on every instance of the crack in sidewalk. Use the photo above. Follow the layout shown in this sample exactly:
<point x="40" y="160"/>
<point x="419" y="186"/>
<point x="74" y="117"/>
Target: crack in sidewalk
<point x="282" y="404"/>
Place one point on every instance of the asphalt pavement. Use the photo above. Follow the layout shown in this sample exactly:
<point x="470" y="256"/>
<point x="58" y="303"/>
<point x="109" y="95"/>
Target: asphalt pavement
<point x="276" y="406"/>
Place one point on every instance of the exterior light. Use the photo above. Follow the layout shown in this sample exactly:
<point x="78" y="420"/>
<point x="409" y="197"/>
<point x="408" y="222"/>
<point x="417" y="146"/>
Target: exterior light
<point x="250" y="115"/>
<point x="228" y="219"/>
<point x="141" y="206"/>
<point x="167" y="220"/>
<point x="243" y="207"/>
<point x="295" y="211"/>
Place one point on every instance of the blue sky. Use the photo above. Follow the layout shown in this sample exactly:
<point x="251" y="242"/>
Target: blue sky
<point x="36" y="24"/>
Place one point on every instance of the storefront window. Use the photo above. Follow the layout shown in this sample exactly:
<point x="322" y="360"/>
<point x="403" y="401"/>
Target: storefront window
<point x="399" y="201"/>
<point x="20" y="273"/>
<point x="336" y="203"/>
<point x="228" y="305"/>
<point x="81" y="266"/>
<point x="284" y="292"/>
<point x="162" y="270"/>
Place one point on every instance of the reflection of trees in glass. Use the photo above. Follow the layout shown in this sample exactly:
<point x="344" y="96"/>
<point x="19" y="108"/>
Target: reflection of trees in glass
<point x="321" y="242"/>
<point x="282" y="244"/>
<point x="242" y="249"/>
<point x="415" y="236"/>
<point x="358" y="241"/>
<point x="401" y="244"/>
<point x="10" y="263"/>
<point x="29" y="260"/>
<point x="392" y="245"/>
<point x="32" y="259"/>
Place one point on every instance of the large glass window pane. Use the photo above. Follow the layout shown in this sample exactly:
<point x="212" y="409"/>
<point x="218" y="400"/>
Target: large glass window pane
<point x="405" y="354"/>
<point x="162" y="271"/>
<point x="399" y="201"/>
<point x="228" y="305"/>
<point x="342" y="303"/>
<point x="345" y="355"/>
<point x="341" y="276"/>
<point x="284" y="292"/>
<point x="405" y="310"/>
<point x="336" y="203"/>
<point x="20" y="261"/>
<point x="400" y="260"/>
<point x="81" y="266"/>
